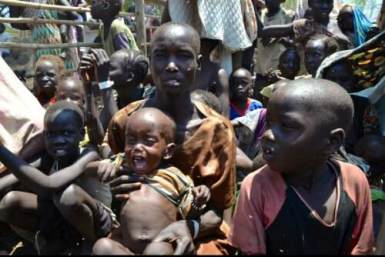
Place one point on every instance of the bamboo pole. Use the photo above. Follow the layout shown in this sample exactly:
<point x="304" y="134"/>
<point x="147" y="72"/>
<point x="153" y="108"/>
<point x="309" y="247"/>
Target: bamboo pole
<point x="46" y="46"/>
<point x="140" y="26"/>
<point x="44" y="6"/>
<point x="45" y="21"/>
<point x="61" y="7"/>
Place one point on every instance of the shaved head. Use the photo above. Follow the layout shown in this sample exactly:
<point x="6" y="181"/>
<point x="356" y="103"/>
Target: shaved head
<point x="177" y="30"/>
<point x="325" y="100"/>
<point x="158" y="119"/>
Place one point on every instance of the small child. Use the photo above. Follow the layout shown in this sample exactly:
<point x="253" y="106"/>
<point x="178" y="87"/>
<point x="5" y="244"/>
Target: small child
<point x="166" y="194"/>
<point x="128" y="69"/>
<point x="48" y="71"/>
<point x="317" y="49"/>
<point x="71" y="89"/>
<point x="113" y="33"/>
<point x="303" y="202"/>
<point x="207" y="98"/>
<point x="289" y="63"/>
<point x="240" y="92"/>
<point x="269" y="52"/>
<point x="372" y="149"/>
<point x="355" y="25"/>
<point x="65" y="205"/>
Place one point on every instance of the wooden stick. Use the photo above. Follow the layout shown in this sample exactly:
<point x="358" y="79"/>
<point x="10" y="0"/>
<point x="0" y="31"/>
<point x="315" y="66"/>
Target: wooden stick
<point x="44" y="6"/>
<point x="61" y="7"/>
<point x="45" y="21"/>
<point x="46" y="46"/>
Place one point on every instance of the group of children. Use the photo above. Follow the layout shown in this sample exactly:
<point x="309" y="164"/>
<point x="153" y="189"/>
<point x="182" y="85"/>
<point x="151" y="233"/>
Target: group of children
<point x="195" y="163"/>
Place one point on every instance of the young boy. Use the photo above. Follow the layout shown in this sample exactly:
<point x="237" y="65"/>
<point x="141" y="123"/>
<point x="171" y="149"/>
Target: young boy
<point x="240" y="92"/>
<point x="317" y="49"/>
<point x="72" y="89"/>
<point x="49" y="69"/>
<point x="372" y="149"/>
<point x="302" y="202"/>
<point x="113" y="33"/>
<point x="166" y="194"/>
<point x="64" y="206"/>
<point x="268" y="52"/>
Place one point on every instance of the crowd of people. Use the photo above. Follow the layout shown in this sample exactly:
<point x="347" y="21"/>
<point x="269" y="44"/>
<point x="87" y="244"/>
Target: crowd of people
<point x="249" y="129"/>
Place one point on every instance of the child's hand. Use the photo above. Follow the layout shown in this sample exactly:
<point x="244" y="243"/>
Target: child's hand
<point x="201" y="194"/>
<point x="107" y="171"/>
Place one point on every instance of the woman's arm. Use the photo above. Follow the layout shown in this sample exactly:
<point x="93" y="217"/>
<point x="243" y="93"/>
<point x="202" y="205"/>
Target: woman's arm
<point x="277" y="31"/>
<point x="37" y="179"/>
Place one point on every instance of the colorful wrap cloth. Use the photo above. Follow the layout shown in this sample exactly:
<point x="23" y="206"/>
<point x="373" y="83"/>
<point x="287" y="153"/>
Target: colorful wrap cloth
<point x="368" y="65"/>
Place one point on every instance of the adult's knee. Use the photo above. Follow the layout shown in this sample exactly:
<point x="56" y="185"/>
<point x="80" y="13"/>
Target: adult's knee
<point x="103" y="246"/>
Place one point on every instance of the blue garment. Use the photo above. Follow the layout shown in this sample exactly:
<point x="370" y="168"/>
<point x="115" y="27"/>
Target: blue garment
<point x="252" y="104"/>
<point x="362" y="26"/>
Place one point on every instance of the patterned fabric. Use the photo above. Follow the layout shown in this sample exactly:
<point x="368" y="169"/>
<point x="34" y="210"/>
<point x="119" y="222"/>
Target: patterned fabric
<point x="169" y="182"/>
<point x="47" y="33"/>
<point x="368" y="65"/>
<point x="119" y="36"/>
<point x="233" y="21"/>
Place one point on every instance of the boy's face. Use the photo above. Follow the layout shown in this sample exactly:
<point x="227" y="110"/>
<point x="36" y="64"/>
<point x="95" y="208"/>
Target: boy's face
<point x="71" y="90"/>
<point x="46" y="77"/>
<point x="342" y="75"/>
<point x="289" y="65"/>
<point x="241" y="85"/>
<point x="345" y="19"/>
<point x="315" y="52"/>
<point x="293" y="140"/>
<point x="145" y="144"/>
<point x="321" y="9"/>
<point x="120" y="71"/>
<point x="62" y="134"/>
<point x="174" y="61"/>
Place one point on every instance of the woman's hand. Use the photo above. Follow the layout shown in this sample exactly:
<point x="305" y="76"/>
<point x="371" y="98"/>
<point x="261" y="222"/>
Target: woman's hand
<point x="124" y="184"/>
<point x="178" y="233"/>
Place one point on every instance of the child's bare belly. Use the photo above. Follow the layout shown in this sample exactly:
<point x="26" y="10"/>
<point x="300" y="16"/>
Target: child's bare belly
<point x="143" y="216"/>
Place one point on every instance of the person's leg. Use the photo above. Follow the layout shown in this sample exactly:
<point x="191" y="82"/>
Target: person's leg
<point x="19" y="209"/>
<point x="106" y="246"/>
<point x="79" y="209"/>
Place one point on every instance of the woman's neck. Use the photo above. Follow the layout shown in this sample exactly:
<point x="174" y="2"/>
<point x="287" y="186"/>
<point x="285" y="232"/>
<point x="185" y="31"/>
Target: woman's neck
<point x="179" y="107"/>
